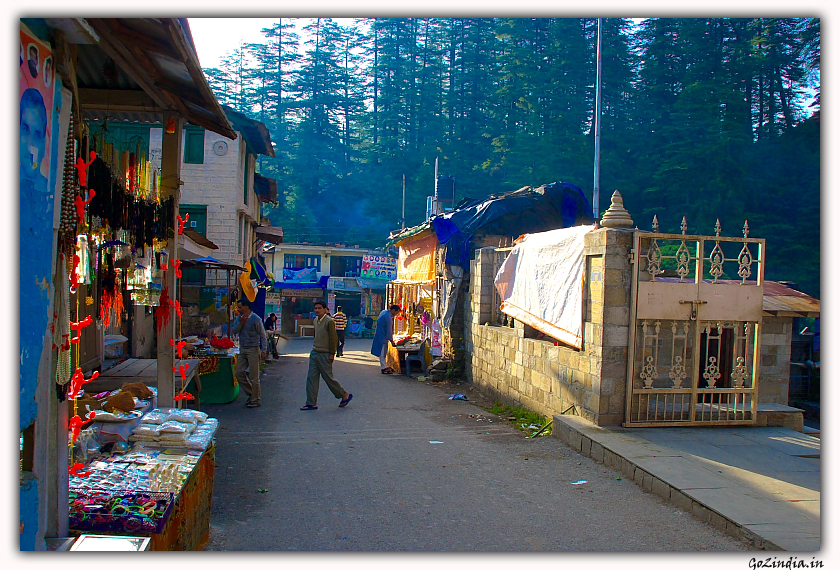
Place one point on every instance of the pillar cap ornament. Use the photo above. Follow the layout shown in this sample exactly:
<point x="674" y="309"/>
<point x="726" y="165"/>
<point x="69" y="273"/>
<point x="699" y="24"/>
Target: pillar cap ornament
<point x="616" y="216"/>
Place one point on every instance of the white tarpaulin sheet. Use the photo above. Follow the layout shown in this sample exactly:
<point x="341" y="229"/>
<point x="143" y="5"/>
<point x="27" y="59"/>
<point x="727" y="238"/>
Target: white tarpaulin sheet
<point x="541" y="283"/>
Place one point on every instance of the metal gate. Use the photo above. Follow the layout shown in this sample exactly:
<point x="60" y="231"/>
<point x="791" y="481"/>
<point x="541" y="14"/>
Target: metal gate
<point x="695" y="327"/>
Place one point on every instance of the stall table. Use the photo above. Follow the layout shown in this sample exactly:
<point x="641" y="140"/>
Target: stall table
<point x="138" y="370"/>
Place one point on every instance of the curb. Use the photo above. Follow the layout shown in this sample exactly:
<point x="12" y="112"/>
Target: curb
<point x="574" y="436"/>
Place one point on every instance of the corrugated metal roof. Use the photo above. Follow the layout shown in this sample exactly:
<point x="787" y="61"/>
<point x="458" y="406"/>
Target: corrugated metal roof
<point x="779" y="298"/>
<point x="254" y="132"/>
<point x="135" y="69"/>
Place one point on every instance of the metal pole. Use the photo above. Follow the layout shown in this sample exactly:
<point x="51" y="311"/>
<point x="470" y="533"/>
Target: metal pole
<point x="403" y="208"/>
<point x="596" y="187"/>
<point x="435" y="202"/>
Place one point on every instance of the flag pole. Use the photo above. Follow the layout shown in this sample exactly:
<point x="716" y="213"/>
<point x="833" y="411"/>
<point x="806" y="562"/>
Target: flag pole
<point x="596" y="188"/>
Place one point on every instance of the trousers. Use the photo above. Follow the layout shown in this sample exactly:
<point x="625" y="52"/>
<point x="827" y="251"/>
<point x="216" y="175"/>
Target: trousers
<point x="320" y="366"/>
<point x="382" y="356"/>
<point x="248" y="372"/>
<point x="341" y="339"/>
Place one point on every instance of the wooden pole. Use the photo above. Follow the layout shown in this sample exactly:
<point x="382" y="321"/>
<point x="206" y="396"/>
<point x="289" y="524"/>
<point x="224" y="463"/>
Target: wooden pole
<point x="170" y="186"/>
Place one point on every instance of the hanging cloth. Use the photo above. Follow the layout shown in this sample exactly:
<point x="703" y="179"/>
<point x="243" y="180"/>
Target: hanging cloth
<point x="83" y="251"/>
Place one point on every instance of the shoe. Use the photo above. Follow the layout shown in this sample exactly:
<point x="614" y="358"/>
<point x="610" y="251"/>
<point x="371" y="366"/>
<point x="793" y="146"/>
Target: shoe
<point x="346" y="401"/>
<point x="387" y="371"/>
<point x="253" y="405"/>
<point x="307" y="407"/>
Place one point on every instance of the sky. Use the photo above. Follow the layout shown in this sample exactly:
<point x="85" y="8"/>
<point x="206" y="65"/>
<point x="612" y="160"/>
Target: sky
<point x="214" y="37"/>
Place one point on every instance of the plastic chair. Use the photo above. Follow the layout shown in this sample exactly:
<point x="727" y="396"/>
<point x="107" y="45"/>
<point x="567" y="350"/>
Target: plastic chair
<point x="419" y="358"/>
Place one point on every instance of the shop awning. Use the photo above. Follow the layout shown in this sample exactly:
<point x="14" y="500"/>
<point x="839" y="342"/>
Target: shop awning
<point x="417" y="259"/>
<point x="265" y="188"/>
<point x="379" y="284"/>
<point x="269" y="234"/>
<point x="320" y="284"/>
<point x="195" y="245"/>
<point x="210" y="263"/>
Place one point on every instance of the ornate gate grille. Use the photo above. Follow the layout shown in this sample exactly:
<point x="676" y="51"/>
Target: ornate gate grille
<point x="695" y="333"/>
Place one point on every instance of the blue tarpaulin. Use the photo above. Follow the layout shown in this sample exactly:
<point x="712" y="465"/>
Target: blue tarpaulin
<point x="320" y="284"/>
<point x="553" y="206"/>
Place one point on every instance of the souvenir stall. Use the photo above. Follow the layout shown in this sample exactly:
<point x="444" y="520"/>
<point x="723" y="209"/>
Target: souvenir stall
<point x="136" y="469"/>
<point x="414" y="292"/>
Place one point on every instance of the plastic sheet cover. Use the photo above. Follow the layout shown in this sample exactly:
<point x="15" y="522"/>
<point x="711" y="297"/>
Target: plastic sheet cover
<point x="541" y="283"/>
<point x="417" y="260"/>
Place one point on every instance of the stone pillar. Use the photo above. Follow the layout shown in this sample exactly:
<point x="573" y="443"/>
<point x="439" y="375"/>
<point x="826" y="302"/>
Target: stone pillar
<point x="607" y="311"/>
<point x="481" y="285"/>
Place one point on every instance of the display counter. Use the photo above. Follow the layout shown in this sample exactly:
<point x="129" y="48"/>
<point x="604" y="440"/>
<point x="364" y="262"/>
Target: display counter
<point x="153" y="488"/>
<point x="217" y="384"/>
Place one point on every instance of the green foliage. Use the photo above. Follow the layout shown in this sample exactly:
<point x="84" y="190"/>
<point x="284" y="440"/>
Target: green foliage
<point x="522" y="417"/>
<point x="701" y="117"/>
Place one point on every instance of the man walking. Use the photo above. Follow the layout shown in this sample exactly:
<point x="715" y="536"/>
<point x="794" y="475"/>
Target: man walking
<point x="384" y="336"/>
<point x="321" y="360"/>
<point x="253" y="344"/>
<point x="340" y="324"/>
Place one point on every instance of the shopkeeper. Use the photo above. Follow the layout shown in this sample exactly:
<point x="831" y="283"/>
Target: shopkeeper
<point x="253" y="345"/>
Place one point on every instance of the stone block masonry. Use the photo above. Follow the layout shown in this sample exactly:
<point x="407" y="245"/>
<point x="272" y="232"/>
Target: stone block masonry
<point x="551" y="379"/>
<point x="590" y="382"/>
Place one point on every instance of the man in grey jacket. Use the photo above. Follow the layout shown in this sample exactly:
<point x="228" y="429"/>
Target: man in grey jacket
<point x="253" y="344"/>
<point x="321" y="360"/>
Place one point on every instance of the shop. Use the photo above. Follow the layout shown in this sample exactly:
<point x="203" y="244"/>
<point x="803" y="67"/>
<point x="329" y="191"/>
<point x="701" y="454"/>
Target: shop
<point x="102" y="238"/>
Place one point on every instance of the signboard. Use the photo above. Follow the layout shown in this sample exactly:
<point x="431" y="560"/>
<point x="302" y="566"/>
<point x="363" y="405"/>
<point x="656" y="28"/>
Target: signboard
<point x="331" y="303"/>
<point x="379" y="267"/>
<point x="303" y="293"/>
<point x="273" y="297"/>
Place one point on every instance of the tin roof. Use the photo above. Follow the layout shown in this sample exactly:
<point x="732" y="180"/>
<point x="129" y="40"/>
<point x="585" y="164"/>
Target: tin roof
<point x="135" y="69"/>
<point x="783" y="301"/>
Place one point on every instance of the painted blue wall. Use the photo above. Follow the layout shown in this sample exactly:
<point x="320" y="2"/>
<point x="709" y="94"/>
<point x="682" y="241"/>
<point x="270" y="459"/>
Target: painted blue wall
<point x="37" y="253"/>
<point x="29" y="515"/>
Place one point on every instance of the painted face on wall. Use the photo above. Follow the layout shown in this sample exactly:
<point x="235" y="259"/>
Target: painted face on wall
<point x="33" y="134"/>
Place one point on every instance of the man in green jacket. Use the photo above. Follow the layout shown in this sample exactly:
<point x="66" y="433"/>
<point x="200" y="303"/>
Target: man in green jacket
<point x="321" y="360"/>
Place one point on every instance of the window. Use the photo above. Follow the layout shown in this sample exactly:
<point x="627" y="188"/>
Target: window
<point x="239" y="239"/>
<point x="247" y="169"/>
<point x="193" y="145"/>
<point x="292" y="261"/>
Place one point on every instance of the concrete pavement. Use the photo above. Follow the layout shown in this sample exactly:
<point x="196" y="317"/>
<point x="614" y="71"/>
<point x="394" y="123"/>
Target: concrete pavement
<point x="403" y="468"/>
<point x="757" y="483"/>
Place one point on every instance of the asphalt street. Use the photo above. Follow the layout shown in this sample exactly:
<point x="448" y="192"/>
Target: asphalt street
<point x="404" y="468"/>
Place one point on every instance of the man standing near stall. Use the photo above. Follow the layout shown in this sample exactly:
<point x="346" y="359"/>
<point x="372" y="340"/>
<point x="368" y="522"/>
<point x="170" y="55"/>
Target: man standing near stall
<point x="340" y="325"/>
<point x="253" y="344"/>
<point x="384" y="336"/>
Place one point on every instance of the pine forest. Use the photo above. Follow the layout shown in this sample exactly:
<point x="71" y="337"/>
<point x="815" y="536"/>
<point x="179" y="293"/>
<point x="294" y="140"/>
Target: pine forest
<point x="707" y="118"/>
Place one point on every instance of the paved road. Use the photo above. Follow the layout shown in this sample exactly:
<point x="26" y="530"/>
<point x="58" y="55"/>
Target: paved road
<point x="368" y="478"/>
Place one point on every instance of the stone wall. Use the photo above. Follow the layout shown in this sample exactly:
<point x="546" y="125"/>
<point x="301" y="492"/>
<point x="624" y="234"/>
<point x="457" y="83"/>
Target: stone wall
<point x="590" y="382"/>
<point x="774" y="373"/>
<point x="551" y="379"/>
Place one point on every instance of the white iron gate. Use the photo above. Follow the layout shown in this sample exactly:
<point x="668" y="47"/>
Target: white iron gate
<point x="695" y="329"/>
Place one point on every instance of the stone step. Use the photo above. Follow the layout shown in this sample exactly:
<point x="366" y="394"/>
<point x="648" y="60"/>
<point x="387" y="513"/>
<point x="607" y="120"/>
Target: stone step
<point x="779" y="415"/>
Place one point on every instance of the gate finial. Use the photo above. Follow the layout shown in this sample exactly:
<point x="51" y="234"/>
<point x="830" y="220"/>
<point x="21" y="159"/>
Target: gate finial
<point x="717" y="227"/>
<point x="655" y="224"/>
<point x="683" y="225"/>
<point x="746" y="229"/>
<point x="616" y="216"/>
